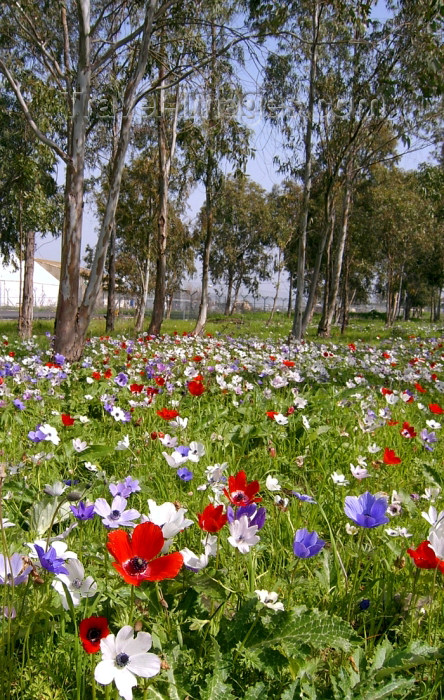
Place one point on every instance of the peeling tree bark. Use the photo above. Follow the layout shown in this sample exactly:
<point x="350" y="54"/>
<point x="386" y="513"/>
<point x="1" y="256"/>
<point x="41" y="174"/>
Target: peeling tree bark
<point x="27" y="305"/>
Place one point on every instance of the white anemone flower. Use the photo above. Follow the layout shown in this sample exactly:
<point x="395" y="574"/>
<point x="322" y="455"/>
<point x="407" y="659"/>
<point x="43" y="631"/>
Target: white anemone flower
<point x="76" y="583"/>
<point x="432" y="516"/>
<point x="197" y="450"/>
<point x="269" y="599"/>
<point x="339" y="479"/>
<point x="272" y="483"/>
<point x="280" y="419"/>
<point x="175" y="459"/>
<point x="171" y="519"/>
<point x="242" y="535"/>
<point x="123" y="444"/>
<point x="398" y="532"/>
<point x="50" y="433"/>
<point x="124" y="657"/>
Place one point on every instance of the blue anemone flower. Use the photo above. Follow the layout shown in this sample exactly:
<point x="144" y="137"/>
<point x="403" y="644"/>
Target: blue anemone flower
<point x="366" y="510"/>
<point x="307" y="544"/>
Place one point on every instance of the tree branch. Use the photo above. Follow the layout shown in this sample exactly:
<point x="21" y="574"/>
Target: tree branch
<point x="40" y="135"/>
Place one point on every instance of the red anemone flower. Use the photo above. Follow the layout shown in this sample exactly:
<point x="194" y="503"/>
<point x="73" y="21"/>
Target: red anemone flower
<point x="240" y="492"/>
<point x="212" y="519"/>
<point x="167" y="413"/>
<point x="67" y="420"/>
<point x="390" y="457"/>
<point x="420" y="388"/>
<point x="91" y="631"/>
<point x="288" y="363"/>
<point x="408" y="431"/>
<point x="136" y="556"/>
<point x="272" y="414"/>
<point x="196" y="388"/>
<point x="425" y="558"/>
<point x="136" y="388"/>
<point x="435" y="408"/>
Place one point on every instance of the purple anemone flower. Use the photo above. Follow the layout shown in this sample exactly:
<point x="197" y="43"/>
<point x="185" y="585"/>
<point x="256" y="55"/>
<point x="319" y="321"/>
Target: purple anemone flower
<point x="83" y="512"/>
<point x="125" y="488"/>
<point x="13" y="570"/>
<point x="366" y="510"/>
<point x="307" y="544"/>
<point x="256" y="516"/>
<point x="115" y="515"/>
<point x="184" y="474"/>
<point x="121" y="379"/>
<point x="19" y="404"/>
<point x="428" y="439"/>
<point x="50" y="561"/>
<point x="303" y="497"/>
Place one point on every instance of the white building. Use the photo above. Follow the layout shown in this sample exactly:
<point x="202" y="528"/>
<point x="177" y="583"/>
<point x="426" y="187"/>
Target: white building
<point x="46" y="285"/>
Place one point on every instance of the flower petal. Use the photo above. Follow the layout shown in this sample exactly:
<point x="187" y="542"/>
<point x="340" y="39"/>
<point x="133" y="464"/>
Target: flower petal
<point x="164" y="567"/>
<point x="119" y="545"/>
<point x="104" y="671"/>
<point x="144" y="665"/>
<point x="147" y="540"/>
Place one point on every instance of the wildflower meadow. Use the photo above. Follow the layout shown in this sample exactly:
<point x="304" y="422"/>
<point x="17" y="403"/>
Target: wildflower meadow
<point x="222" y="517"/>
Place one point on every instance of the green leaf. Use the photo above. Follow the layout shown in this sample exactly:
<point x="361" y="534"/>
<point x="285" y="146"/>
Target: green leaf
<point x="317" y="629"/>
<point x="46" y="513"/>
<point x="257" y="691"/>
<point x="415" y="654"/>
<point x="433" y="474"/>
<point x="398" y="685"/>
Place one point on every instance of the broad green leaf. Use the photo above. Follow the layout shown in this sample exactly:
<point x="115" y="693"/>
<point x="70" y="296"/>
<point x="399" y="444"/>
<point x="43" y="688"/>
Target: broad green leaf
<point x="47" y="513"/>
<point x="391" y="690"/>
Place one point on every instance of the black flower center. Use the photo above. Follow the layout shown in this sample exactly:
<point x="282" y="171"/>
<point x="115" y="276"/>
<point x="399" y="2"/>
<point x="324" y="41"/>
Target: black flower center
<point x="114" y="515"/>
<point x="122" y="660"/>
<point x="136" y="565"/>
<point x="238" y="496"/>
<point x="94" y="634"/>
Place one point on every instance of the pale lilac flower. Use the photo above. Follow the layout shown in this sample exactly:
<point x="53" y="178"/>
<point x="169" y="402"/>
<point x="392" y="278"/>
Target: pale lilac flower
<point x="79" y="445"/>
<point x="242" y="535"/>
<point x="13" y="570"/>
<point x="359" y="472"/>
<point x="168" y="441"/>
<point x="121" y="379"/>
<point x="115" y="515"/>
<point x="432" y="516"/>
<point x="125" y="488"/>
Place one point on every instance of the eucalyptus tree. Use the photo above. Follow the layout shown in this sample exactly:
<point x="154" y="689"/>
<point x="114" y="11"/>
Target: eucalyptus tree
<point x="212" y="135"/>
<point x="242" y="237"/>
<point x="29" y="198"/>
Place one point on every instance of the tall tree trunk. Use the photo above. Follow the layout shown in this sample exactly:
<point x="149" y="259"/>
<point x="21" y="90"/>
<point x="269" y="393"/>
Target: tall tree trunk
<point x="324" y="328"/>
<point x="345" y="295"/>
<point x="290" y="294"/>
<point x="229" y="293"/>
<point x="327" y="237"/>
<point x="296" y="331"/>
<point x="276" y="295"/>
<point x="236" y="295"/>
<point x="111" y="301"/>
<point x="140" y="313"/>
<point x="209" y="192"/>
<point x="72" y="320"/>
<point x="166" y="155"/>
<point x="27" y="305"/>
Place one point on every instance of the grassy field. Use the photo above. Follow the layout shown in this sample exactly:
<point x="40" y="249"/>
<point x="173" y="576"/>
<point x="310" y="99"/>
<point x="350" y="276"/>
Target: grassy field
<point x="223" y="517"/>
